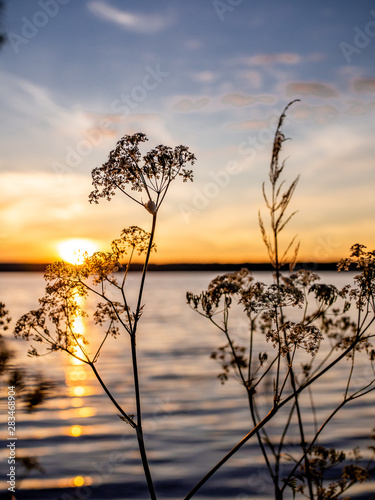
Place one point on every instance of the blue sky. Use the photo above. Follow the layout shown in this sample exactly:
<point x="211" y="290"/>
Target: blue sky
<point x="210" y="74"/>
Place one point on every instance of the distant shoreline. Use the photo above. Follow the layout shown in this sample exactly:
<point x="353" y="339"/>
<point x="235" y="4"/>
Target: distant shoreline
<point x="184" y="267"/>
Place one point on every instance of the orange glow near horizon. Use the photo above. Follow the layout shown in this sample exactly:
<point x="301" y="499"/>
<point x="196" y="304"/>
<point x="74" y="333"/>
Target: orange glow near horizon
<point x="199" y="243"/>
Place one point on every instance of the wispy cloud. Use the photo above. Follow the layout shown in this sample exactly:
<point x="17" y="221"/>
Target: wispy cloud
<point x="187" y="104"/>
<point x="277" y="58"/>
<point x="140" y="23"/>
<point x="27" y="100"/>
<point x="252" y="77"/>
<point x="310" y="89"/>
<point x="318" y="114"/>
<point x="193" y="44"/>
<point x="204" y="76"/>
<point x="248" y="125"/>
<point x="240" y="100"/>
<point x="268" y="59"/>
<point x="364" y="85"/>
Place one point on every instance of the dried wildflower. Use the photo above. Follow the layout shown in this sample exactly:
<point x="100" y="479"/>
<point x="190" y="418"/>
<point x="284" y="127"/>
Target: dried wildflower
<point x="193" y="300"/>
<point x="356" y="344"/>
<point x="237" y="282"/>
<point x="109" y="312"/>
<point x="324" y="294"/>
<point x="365" y="281"/>
<point x="150" y="175"/>
<point x="226" y="285"/>
<point x="301" y="279"/>
<point x="206" y="302"/>
<point x="276" y="296"/>
<point x="296" y="335"/>
<point x="253" y="298"/>
<point x="277" y="203"/>
<point x="355" y="474"/>
<point x="229" y="359"/>
<point x="133" y="239"/>
<point x="307" y="337"/>
<point x="54" y="323"/>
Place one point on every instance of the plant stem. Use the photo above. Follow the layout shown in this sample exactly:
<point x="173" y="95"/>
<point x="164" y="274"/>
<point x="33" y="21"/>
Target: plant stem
<point x="134" y="329"/>
<point x="260" y="442"/>
<point x="144" y="272"/>
<point x="106" y="390"/>
<point x="139" y="430"/>
<point x="146" y="468"/>
<point x="234" y="450"/>
<point x="289" y="360"/>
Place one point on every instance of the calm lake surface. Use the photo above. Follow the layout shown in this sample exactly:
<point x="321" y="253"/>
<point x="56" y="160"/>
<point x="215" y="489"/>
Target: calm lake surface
<point x="191" y="421"/>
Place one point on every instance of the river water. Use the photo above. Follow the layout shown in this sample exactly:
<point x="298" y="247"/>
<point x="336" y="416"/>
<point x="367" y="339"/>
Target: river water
<point x="191" y="420"/>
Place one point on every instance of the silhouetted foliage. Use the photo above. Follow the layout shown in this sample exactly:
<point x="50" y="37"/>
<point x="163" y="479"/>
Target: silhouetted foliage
<point x="103" y="275"/>
<point x="284" y="343"/>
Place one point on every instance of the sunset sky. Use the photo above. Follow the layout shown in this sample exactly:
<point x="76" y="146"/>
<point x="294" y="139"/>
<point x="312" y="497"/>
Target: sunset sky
<point x="214" y="75"/>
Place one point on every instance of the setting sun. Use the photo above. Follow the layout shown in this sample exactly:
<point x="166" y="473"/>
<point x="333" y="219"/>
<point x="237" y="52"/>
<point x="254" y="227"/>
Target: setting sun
<point x="73" y="250"/>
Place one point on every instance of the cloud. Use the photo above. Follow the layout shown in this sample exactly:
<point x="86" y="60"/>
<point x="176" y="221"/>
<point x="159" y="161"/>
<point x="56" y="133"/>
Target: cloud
<point x="246" y="100"/>
<point x="238" y="100"/>
<point x="310" y="89"/>
<point x="364" y="85"/>
<point x="359" y="108"/>
<point x="27" y="195"/>
<point x="318" y="114"/>
<point x="193" y="44"/>
<point x="26" y="102"/>
<point x="140" y="23"/>
<point x="204" y="76"/>
<point x="268" y="59"/>
<point x="37" y="210"/>
<point x="152" y="124"/>
<point x="249" y="125"/>
<point x="190" y="105"/>
<point x="280" y="58"/>
<point x="316" y="57"/>
<point x="252" y="77"/>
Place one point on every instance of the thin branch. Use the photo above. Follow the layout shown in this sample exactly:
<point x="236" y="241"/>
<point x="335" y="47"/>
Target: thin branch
<point x="109" y="394"/>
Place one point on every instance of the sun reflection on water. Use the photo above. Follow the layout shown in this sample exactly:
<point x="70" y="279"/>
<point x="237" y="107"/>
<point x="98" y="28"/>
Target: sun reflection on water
<point x="77" y="402"/>
<point x="77" y="375"/>
<point x="75" y="361"/>
<point x="86" y="412"/>
<point x="78" y="391"/>
<point x="75" y="430"/>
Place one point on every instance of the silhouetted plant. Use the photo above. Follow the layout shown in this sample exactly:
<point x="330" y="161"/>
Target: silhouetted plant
<point x="290" y="350"/>
<point x="103" y="275"/>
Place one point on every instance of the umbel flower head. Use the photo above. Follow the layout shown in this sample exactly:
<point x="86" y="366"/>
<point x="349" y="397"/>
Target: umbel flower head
<point x="54" y="323"/>
<point x="126" y="170"/>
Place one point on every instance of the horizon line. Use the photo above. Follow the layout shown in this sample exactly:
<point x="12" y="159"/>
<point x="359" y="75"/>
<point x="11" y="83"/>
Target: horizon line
<point x="183" y="266"/>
